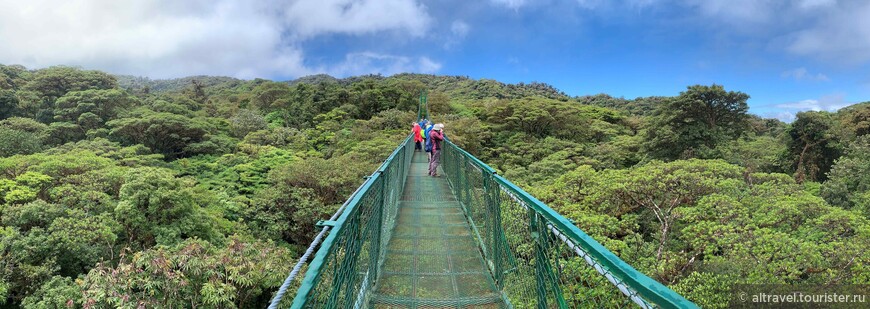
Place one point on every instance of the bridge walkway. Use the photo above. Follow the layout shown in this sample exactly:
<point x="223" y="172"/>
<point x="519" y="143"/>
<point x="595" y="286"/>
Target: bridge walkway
<point x="433" y="259"/>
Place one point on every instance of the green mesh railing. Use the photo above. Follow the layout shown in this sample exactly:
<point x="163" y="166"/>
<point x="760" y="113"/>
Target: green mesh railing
<point x="538" y="258"/>
<point x="346" y="266"/>
<point x="472" y="240"/>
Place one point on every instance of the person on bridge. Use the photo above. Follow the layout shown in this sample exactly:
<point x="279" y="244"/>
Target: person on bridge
<point x="437" y="136"/>
<point x="418" y="139"/>
<point x="428" y="143"/>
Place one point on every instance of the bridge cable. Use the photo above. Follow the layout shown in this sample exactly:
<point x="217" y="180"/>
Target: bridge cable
<point x="314" y="243"/>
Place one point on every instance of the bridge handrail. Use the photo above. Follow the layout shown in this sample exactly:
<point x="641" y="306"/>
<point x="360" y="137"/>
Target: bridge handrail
<point x="312" y="275"/>
<point x="649" y="289"/>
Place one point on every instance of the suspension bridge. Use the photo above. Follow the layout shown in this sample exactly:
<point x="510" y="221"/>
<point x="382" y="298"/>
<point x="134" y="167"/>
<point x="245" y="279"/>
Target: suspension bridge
<point x="467" y="239"/>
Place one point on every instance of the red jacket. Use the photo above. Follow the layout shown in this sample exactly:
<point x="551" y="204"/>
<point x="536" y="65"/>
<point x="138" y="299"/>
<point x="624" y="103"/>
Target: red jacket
<point x="416" y="132"/>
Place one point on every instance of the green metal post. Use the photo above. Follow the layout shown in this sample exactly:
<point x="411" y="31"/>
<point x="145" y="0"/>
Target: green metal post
<point x="375" y="247"/>
<point x="466" y="167"/>
<point x="348" y="262"/>
<point x="546" y="279"/>
<point x="491" y="195"/>
<point x="540" y="285"/>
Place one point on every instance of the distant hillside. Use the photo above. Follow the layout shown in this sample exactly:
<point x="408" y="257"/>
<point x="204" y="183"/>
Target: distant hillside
<point x="455" y="86"/>
<point x="140" y="84"/>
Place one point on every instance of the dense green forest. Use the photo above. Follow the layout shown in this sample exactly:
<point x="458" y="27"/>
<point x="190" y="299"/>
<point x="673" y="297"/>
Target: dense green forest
<point x="119" y="191"/>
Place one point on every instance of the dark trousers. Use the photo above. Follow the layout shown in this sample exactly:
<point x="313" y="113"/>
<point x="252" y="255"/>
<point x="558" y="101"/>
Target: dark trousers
<point x="418" y="145"/>
<point x="433" y="163"/>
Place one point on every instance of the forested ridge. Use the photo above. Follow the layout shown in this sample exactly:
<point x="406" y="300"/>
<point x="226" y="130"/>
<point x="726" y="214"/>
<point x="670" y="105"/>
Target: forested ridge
<point x="201" y="192"/>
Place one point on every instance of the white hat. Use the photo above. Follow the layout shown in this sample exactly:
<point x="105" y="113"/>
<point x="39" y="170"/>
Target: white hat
<point x="438" y="127"/>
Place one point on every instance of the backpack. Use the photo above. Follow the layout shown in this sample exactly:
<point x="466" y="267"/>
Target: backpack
<point x="426" y="131"/>
<point x="428" y="145"/>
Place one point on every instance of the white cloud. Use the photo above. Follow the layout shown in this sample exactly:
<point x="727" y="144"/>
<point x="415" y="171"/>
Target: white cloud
<point x="165" y="38"/>
<point x="801" y="74"/>
<point x="842" y="35"/>
<point x="459" y="28"/>
<point x="590" y="4"/>
<point x="313" y="17"/>
<point x="831" y="30"/>
<point x="513" y="4"/>
<point x="375" y="63"/>
<point x="735" y="12"/>
<point x="815" y="4"/>
<point x="782" y="116"/>
<point x="639" y="4"/>
<point x="427" y="65"/>
<point x="787" y="111"/>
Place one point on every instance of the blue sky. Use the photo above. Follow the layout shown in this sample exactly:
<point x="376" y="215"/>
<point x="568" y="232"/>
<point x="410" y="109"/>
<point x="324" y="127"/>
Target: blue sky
<point x="788" y="55"/>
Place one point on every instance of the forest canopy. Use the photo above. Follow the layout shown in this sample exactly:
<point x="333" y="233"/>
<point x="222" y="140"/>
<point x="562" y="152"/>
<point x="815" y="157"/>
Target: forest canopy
<point x="203" y="191"/>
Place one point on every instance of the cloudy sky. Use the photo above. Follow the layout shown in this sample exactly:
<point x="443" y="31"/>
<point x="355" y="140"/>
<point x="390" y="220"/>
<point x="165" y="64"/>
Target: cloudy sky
<point x="788" y="55"/>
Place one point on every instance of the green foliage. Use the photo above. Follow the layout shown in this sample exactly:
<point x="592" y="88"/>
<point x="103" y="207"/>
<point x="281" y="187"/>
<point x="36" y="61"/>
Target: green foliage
<point x="54" y="82"/>
<point x="285" y="213"/>
<point x="855" y="118"/>
<point x="246" y="121"/>
<point x="80" y="240"/>
<point x="100" y="104"/>
<point x="128" y="192"/>
<point x="59" y="133"/>
<point x="850" y="175"/>
<point x="708" y="290"/>
<point x="165" y="133"/>
<point x="8" y="103"/>
<point x="155" y="207"/>
<point x="57" y="293"/>
<point x="540" y="117"/>
<point x="14" y="142"/>
<point x="640" y="106"/>
<point x="240" y="274"/>
<point x="329" y="185"/>
<point x="694" y="123"/>
<point x="758" y="154"/>
<point x="814" y="143"/>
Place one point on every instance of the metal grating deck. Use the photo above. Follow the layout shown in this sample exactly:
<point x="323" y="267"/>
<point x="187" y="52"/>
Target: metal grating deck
<point x="433" y="260"/>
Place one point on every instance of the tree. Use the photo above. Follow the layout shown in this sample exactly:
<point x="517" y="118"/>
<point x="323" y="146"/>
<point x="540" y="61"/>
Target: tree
<point x="59" y="133"/>
<point x="247" y="121"/>
<point x="757" y="154"/>
<point x="13" y="76"/>
<point x="856" y="118"/>
<point x="268" y="95"/>
<point x="663" y="188"/>
<point x="14" y="142"/>
<point x="697" y="121"/>
<point x="284" y="213"/>
<point x="814" y="143"/>
<point x="8" y="103"/>
<point x="54" y="82"/>
<point x="194" y="273"/>
<point x="80" y="240"/>
<point x="157" y="208"/>
<point x="57" y="293"/>
<point x="849" y="177"/>
<point x="104" y="104"/>
<point x="439" y="103"/>
<point x="166" y="133"/>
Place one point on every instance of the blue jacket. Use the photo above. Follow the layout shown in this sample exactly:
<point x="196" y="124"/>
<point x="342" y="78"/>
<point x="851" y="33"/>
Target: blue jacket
<point x="426" y="132"/>
<point x="428" y="147"/>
